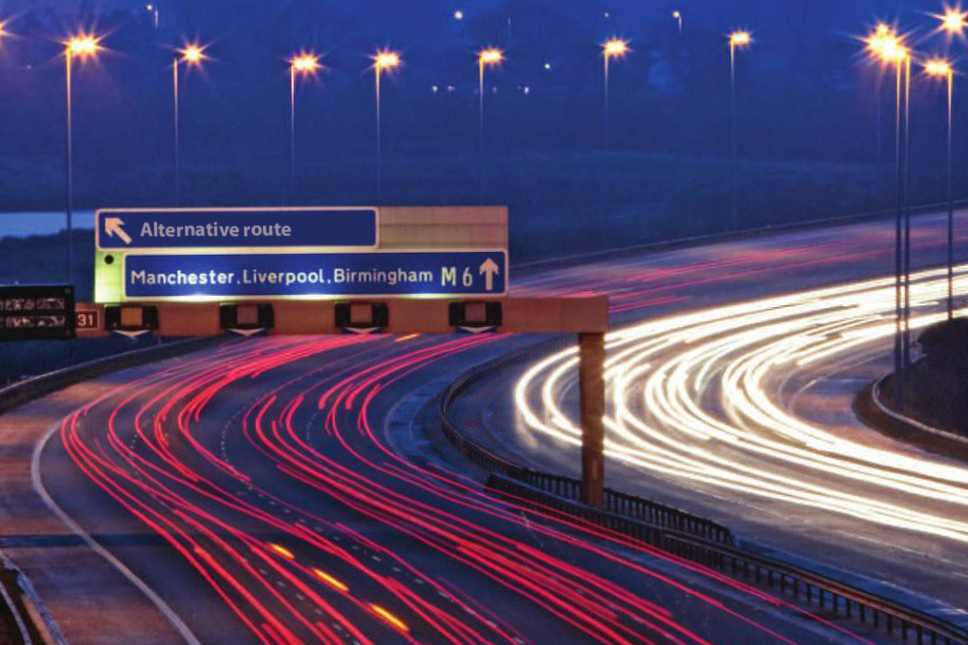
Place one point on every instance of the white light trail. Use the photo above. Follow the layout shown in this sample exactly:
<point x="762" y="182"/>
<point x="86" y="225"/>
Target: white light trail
<point x="697" y="397"/>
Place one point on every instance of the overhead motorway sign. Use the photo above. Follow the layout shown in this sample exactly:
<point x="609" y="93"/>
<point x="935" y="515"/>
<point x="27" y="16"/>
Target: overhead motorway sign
<point x="280" y="229"/>
<point x="252" y="276"/>
<point x="304" y="253"/>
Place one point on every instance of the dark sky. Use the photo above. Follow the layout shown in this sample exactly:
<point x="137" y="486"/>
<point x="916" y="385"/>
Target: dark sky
<point x="414" y="18"/>
<point x="806" y="95"/>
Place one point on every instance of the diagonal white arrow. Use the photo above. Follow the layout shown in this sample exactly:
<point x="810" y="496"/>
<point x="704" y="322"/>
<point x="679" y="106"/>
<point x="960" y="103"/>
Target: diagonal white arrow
<point x="112" y="226"/>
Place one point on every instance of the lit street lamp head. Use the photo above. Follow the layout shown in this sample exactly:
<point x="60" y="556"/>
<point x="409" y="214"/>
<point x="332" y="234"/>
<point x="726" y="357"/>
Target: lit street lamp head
<point x="305" y="64"/>
<point x="740" y="38"/>
<point x="615" y="48"/>
<point x="953" y="21"/>
<point x="386" y="60"/>
<point x="938" y="67"/>
<point x="82" y="46"/>
<point x="192" y="54"/>
<point x="885" y="45"/>
<point x="677" y="14"/>
<point x="895" y="52"/>
<point x="491" y="56"/>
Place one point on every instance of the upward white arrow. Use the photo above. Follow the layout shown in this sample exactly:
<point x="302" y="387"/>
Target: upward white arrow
<point x="112" y="226"/>
<point x="489" y="269"/>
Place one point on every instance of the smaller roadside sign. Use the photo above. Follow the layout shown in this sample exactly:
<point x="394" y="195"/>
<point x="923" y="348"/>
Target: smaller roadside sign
<point x="308" y="275"/>
<point x="37" y="312"/>
<point x="281" y="229"/>
<point x="88" y="318"/>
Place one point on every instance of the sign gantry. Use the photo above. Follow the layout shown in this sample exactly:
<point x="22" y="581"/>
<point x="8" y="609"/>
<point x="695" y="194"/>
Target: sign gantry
<point x="310" y="271"/>
<point x="250" y="254"/>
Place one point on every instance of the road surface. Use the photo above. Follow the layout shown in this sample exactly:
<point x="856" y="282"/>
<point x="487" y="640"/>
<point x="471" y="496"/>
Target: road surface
<point x="271" y="491"/>
<point x="730" y="395"/>
<point x="284" y="490"/>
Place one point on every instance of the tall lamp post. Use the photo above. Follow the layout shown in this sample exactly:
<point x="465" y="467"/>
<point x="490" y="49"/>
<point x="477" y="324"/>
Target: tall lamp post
<point x="612" y="49"/>
<point x="81" y="47"/>
<point x="888" y="48"/>
<point x="943" y="69"/>
<point x="304" y="64"/>
<point x="954" y="21"/>
<point x="737" y="40"/>
<point x="191" y="55"/>
<point x="486" y="58"/>
<point x="383" y="61"/>
<point x="677" y="16"/>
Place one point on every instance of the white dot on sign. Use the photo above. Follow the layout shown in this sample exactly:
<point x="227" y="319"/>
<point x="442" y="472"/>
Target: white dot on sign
<point x="547" y="66"/>
<point x="526" y="90"/>
<point x="435" y="89"/>
<point x="451" y="88"/>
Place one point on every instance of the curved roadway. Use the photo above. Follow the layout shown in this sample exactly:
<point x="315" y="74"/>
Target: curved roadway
<point x="285" y="490"/>
<point x="731" y="397"/>
<point x="259" y="492"/>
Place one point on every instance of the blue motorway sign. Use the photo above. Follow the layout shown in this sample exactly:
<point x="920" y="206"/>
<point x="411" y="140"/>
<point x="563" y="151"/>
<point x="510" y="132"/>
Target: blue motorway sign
<point x="234" y="276"/>
<point x="282" y="228"/>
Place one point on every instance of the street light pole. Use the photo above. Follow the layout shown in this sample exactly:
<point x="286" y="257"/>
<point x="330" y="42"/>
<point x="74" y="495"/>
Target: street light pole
<point x="382" y="61"/>
<point x="736" y="40"/>
<point x="69" y="60"/>
<point x="480" y="133"/>
<point x="306" y="64"/>
<point x="954" y="21"/>
<point x="80" y="46"/>
<point x="886" y="46"/>
<point x="899" y="241"/>
<point x="907" y="212"/>
<point x="607" y="110"/>
<point x="190" y="55"/>
<point x="292" y="132"/>
<point x="733" y="143"/>
<point x="614" y="48"/>
<point x="379" y="141"/>
<point x="177" y="134"/>
<point x="939" y="68"/>
<point x="487" y="57"/>
<point x="950" y="194"/>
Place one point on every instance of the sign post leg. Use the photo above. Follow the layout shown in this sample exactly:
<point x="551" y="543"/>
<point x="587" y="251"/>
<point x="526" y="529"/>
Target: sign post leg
<point x="592" y="385"/>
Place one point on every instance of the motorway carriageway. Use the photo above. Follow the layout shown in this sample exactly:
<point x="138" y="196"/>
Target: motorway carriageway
<point x="280" y="490"/>
<point x="731" y="397"/>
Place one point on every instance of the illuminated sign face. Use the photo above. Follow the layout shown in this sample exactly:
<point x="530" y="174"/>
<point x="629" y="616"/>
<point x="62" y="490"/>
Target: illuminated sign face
<point x="155" y="277"/>
<point x="227" y="255"/>
<point x="236" y="228"/>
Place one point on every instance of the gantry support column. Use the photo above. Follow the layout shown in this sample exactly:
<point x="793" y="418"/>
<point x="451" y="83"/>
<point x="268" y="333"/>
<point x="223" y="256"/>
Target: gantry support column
<point x="591" y="372"/>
